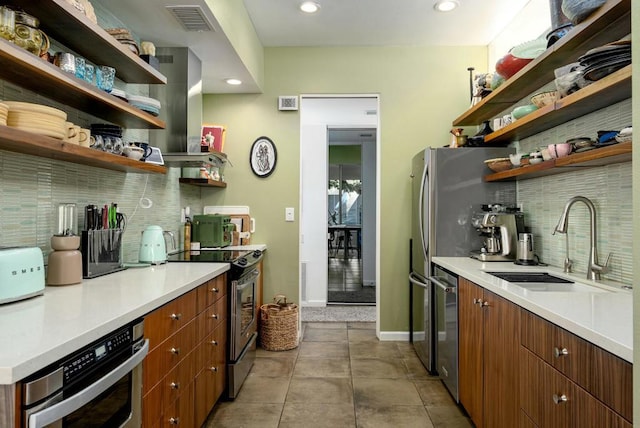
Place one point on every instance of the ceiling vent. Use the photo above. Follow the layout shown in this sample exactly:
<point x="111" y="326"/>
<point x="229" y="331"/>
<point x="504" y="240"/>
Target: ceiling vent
<point x="192" y="18"/>
<point x="288" y="102"/>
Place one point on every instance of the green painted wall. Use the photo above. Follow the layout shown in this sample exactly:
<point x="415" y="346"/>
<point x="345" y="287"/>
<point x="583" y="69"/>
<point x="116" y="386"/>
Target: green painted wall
<point x="421" y="89"/>
<point x="345" y="155"/>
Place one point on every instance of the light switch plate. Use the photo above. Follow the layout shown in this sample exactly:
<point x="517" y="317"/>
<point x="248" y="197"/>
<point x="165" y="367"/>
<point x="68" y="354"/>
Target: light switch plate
<point x="289" y="214"/>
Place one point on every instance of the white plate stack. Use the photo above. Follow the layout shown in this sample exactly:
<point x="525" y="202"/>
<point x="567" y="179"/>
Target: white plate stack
<point x="150" y="105"/>
<point x="4" y="112"/>
<point x="36" y="118"/>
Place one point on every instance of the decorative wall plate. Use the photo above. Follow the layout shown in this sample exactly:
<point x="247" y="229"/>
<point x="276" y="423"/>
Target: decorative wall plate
<point x="263" y="157"/>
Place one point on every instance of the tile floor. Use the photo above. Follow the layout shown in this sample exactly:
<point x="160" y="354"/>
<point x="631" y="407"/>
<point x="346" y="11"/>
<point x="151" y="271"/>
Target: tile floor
<point x="340" y="376"/>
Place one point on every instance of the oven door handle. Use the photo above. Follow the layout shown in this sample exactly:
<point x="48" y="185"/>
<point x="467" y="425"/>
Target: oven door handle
<point x="246" y="281"/>
<point x="76" y="401"/>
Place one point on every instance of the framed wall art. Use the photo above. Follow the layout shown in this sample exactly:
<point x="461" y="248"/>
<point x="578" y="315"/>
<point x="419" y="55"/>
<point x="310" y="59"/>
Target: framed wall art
<point x="263" y="157"/>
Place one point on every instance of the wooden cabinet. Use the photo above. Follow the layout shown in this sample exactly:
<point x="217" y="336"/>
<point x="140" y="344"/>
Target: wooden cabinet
<point x="71" y="28"/>
<point x="187" y="337"/>
<point x="571" y="382"/>
<point x="489" y="338"/>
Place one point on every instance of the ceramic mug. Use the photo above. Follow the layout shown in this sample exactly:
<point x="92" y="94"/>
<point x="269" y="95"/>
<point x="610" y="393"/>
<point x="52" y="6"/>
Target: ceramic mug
<point x="84" y="137"/>
<point x="72" y="133"/>
<point x="146" y="147"/>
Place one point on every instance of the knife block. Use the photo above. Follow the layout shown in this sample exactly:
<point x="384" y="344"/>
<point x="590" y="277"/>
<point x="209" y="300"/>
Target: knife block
<point x="101" y="252"/>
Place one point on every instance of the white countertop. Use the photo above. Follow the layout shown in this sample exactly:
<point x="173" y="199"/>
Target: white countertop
<point x="37" y="332"/>
<point x="604" y="319"/>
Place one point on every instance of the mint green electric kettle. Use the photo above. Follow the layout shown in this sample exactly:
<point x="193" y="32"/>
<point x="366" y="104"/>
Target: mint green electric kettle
<point x="153" y="248"/>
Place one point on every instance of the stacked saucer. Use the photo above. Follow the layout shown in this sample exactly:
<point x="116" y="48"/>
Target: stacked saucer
<point x="150" y="105"/>
<point x="106" y="130"/>
<point x="36" y="118"/>
<point x="604" y="60"/>
<point x="4" y="112"/>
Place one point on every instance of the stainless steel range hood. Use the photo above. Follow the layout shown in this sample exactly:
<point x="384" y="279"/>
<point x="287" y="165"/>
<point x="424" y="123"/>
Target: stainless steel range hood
<point x="181" y="100"/>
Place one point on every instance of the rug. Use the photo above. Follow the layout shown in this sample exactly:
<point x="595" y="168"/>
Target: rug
<point x="365" y="295"/>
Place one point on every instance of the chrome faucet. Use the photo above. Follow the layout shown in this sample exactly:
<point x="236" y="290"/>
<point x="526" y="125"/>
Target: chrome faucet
<point x="593" y="268"/>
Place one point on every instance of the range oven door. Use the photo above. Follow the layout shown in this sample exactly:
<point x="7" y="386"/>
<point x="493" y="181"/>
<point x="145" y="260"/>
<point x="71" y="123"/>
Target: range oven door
<point x="243" y="330"/>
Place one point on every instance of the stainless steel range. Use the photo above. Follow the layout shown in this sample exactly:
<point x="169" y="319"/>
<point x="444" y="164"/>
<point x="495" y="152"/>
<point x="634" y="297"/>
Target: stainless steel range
<point x="242" y="321"/>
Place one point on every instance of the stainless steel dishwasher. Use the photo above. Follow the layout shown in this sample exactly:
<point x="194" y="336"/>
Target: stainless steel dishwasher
<point x="445" y="285"/>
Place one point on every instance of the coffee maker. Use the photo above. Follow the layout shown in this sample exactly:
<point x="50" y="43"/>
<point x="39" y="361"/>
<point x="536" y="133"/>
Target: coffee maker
<point x="499" y="225"/>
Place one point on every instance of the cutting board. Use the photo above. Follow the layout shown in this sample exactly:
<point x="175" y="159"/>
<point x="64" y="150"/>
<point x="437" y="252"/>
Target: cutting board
<point x="244" y="221"/>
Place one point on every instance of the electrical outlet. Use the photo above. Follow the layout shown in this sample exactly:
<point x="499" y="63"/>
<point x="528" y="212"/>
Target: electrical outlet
<point x="289" y="214"/>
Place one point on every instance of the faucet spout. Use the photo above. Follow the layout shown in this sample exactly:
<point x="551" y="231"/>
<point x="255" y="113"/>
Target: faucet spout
<point x="593" y="268"/>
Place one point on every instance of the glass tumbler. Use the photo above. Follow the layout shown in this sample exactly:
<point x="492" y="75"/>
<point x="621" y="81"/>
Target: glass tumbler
<point x="80" y="67"/>
<point x="89" y="72"/>
<point x="105" y="77"/>
<point x="7" y="23"/>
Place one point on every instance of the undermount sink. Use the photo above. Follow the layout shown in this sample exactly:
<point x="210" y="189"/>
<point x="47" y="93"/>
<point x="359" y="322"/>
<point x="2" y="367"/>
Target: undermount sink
<point x="544" y="282"/>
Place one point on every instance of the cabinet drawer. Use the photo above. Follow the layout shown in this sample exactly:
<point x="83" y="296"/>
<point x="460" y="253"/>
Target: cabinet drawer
<point x="211" y="291"/>
<point x="563" y="350"/>
<point x="168" y="319"/>
<point x="587" y="365"/>
<point x="540" y="392"/>
<point x="209" y="385"/>
<point x="211" y="317"/>
<point x="212" y="351"/>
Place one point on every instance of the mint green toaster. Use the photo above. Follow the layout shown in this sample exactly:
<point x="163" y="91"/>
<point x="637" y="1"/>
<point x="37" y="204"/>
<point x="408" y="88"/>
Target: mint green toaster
<point x="21" y="273"/>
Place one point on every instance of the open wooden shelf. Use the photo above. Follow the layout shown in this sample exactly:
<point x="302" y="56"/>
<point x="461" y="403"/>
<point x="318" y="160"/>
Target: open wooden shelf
<point x="608" y="155"/>
<point x="203" y="182"/>
<point x="15" y="140"/>
<point x="64" y="23"/>
<point x="24" y="69"/>
<point x="606" y="91"/>
<point x="611" y="22"/>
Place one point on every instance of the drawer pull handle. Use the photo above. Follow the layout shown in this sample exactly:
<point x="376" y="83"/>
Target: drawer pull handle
<point x="559" y="352"/>
<point x="174" y="385"/>
<point x="174" y="421"/>
<point x="175" y="351"/>
<point x="485" y="303"/>
<point x="213" y="369"/>
<point x="477" y="302"/>
<point x="214" y="342"/>
<point x="215" y="290"/>
<point x="559" y="399"/>
<point x="176" y="317"/>
<point x="214" y="316"/>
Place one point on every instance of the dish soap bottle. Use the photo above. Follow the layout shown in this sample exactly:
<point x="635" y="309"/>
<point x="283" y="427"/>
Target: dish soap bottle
<point x="187" y="230"/>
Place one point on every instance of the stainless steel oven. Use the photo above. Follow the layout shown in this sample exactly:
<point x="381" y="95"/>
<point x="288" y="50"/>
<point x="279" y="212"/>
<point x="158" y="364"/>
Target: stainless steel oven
<point x="243" y="323"/>
<point x="97" y="386"/>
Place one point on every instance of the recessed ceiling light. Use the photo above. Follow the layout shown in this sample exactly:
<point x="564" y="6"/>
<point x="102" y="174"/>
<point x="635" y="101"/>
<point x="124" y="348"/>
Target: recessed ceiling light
<point x="234" y="81"/>
<point x="309" y="7"/>
<point x="446" y="5"/>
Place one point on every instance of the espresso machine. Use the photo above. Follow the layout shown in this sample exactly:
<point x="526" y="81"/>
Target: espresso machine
<point x="499" y="226"/>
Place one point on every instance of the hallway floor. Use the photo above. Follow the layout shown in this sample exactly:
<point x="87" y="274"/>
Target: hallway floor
<point x="340" y="376"/>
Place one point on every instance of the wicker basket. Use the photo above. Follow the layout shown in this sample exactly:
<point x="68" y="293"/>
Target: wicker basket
<point x="279" y="325"/>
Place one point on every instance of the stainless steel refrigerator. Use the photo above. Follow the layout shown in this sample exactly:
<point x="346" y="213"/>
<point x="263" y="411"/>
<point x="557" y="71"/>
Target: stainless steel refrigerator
<point x="447" y="188"/>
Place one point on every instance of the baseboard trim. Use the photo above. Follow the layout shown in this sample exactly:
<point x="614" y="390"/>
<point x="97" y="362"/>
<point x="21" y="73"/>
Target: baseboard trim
<point x="314" y="304"/>
<point x="395" y="336"/>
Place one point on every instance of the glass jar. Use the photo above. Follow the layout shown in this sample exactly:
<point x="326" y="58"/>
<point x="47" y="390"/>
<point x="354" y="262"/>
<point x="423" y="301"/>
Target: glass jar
<point x="27" y="34"/>
<point x="7" y="23"/>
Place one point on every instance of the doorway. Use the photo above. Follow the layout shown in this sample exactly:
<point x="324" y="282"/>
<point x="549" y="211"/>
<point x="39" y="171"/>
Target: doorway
<point x="347" y="219"/>
<point x="319" y="117"/>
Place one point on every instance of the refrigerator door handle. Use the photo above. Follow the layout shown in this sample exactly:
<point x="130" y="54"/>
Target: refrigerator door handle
<point x="424" y="183"/>
<point x="414" y="279"/>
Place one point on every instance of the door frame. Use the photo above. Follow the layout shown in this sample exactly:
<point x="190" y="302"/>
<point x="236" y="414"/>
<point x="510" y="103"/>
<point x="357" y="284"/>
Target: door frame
<point x="328" y="123"/>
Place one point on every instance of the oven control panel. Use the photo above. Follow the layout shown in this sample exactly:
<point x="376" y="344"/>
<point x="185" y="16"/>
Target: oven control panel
<point x="84" y="360"/>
